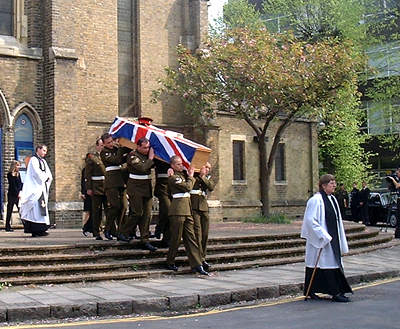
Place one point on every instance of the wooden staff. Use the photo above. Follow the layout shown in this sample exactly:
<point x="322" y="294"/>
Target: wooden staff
<point x="313" y="274"/>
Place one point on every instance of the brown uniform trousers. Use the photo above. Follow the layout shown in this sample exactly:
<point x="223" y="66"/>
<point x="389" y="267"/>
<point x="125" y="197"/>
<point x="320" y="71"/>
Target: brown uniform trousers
<point x="161" y="191"/>
<point x="181" y="220"/>
<point x="140" y="194"/>
<point x="200" y="211"/>
<point x="94" y="176"/>
<point x="114" y="184"/>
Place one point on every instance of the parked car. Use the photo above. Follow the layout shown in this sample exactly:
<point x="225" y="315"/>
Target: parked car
<point x="382" y="208"/>
<point x="379" y="204"/>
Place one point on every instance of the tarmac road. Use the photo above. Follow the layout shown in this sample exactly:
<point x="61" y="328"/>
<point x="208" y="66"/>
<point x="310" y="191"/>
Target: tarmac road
<point x="375" y="305"/>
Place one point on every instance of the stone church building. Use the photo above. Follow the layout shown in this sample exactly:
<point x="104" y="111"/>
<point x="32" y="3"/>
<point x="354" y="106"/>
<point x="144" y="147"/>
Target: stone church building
<point x="67" y="68"/>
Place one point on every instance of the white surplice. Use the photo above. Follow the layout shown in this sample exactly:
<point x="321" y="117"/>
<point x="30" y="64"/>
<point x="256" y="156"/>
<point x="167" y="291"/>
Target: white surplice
<point x="314" y="229"/>
<point x="36" y="182"/>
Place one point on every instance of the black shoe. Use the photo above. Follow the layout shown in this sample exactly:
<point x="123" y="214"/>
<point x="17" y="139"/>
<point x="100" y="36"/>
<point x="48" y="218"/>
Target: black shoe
<point x="206" y="266"/>
<point x="9" y="229"/>
<point x="85" y="233"/>
<point x="98" y="238"/>
<point x="148" y="246"/>
<point x="314" y="296"/>
<point x="172" y="267"/>
<point x="199" y="269"/>
<point x="123" y="238"/>
<point x="108" y="235"/>
<point x="340" y="298"/>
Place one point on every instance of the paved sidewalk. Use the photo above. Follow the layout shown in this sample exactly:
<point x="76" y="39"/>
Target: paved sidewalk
<point x="179" y="293"/>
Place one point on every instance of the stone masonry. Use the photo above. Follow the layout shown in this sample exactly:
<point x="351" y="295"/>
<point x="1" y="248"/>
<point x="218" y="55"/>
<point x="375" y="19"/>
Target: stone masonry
<point x="80" y="63"/>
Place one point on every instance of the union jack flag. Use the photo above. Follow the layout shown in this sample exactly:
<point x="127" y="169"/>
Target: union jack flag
<point x="165" y="143"/>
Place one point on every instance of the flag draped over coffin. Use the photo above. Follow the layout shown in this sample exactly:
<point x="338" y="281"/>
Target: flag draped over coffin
<point x="165" y="143"/>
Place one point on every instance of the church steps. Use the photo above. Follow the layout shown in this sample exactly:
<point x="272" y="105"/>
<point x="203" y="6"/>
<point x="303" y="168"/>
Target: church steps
<point x="154" y="263"/>
<point x="47" y="263"/>
<point x="266" y="240"/>
<point x="121" y="275"/>
<point x="379" y="239"/>
<point x="112" y="260"/>
<point x="137" y="254"/>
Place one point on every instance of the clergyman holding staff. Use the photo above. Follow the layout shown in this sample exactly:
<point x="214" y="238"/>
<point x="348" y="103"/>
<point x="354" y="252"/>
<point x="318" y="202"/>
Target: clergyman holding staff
<point x="326" y="242"/>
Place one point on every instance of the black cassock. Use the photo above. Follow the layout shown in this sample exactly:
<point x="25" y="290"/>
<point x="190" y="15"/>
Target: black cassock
<point x="329" y="281"/>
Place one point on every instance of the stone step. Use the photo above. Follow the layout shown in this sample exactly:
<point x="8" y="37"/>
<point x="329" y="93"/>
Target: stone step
<point x="111" y="255"/>
<point x="53" y="279"/>
<point x="100" y="246"/>
<point x="145" y="263"/>
<point x="153" y="263"/>
<point x="112" y="260"/>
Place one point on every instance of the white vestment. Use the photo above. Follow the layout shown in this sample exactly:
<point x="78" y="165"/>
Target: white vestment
<point x="314" y="229"/>
<point x="37" y="181"/>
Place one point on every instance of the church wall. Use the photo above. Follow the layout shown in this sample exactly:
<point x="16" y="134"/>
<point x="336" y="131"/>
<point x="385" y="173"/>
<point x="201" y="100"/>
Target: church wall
<point x="69" y="75"/>
<point x="241" y="198"/>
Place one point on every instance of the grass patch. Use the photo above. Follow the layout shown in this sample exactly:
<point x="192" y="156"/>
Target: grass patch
<point x="271" y="219"/>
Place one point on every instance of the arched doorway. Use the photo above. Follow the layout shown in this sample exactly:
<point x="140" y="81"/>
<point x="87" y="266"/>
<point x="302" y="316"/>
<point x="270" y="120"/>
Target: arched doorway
<point x="23" y="140"/>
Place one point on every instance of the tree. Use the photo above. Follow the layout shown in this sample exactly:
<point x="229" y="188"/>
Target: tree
<point x="261" y="78"/>
<point x="341" y="149"/>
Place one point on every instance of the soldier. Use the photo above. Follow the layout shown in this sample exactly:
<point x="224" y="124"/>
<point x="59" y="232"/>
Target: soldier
<point x="139" y="189"/>
<point x="94" y="176"/>
<point x="201" y="219"/>
<point x="113" y="157"/>
<point x="180" y="217"/>
<point x="161" y="191"/>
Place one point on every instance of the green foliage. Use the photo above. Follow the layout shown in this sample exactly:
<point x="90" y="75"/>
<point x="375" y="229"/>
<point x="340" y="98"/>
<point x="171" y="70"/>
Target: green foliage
<point x="272" y="219"/>
<point x="340" y="142"/>
<point x="314" y="20"/>
<point x="260" y="78"/>
<point x="256" y="75"/>
<point x="237" y="14"/>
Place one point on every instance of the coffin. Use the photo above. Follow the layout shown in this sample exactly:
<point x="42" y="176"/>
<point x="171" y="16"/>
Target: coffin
<point x="165" y="143"/>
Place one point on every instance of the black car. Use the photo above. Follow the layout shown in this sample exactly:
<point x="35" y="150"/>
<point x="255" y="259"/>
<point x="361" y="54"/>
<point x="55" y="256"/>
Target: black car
<point x="380" y="203"/>
<point x="382" y="208"/>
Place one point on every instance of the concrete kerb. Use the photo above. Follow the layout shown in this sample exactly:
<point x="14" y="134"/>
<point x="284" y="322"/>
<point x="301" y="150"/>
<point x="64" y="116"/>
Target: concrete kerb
<point x="166" y="304"/>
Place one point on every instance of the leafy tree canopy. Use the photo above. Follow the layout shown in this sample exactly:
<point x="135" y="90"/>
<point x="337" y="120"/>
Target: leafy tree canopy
<point x="260" y="77"/>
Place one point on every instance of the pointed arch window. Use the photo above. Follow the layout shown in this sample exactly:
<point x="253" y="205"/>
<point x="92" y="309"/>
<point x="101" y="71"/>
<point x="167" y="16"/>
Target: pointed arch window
<point x="23" y="140"/>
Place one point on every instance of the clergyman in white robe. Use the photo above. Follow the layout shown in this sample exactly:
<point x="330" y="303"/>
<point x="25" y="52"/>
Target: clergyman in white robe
<point x="315" y="230"/>
<point x="37" y="183"/>
<point x="323" y="228"/>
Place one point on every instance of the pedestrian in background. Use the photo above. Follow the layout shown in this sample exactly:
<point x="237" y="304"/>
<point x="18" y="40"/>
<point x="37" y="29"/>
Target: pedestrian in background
<point x="14" y="190"/>
<point x="354" y="203"/>
<point x="363" y="200"/>
<point x="326" y="242"/>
